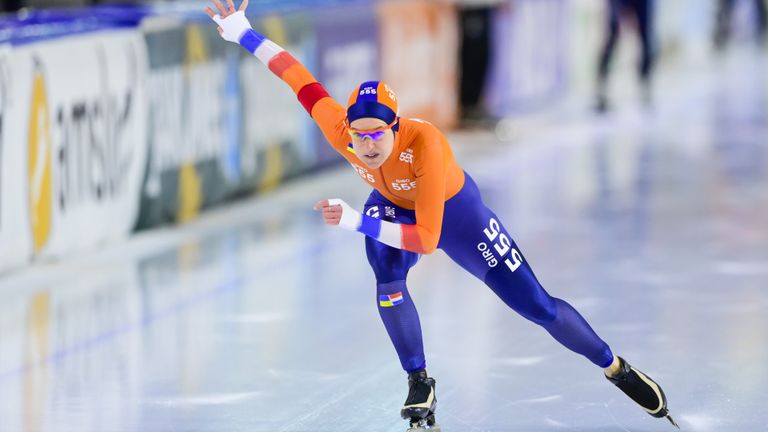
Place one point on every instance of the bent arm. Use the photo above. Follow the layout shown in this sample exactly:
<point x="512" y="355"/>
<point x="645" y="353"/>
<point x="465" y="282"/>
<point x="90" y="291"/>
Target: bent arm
<point x="399" y="236"/>
<point x="422" y="239"/>
<point x="423" y="236"/>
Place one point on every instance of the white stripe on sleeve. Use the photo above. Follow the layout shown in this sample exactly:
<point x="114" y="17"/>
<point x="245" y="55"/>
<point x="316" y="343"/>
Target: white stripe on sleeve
<point x="390" y="234"/>
<point x="267" y="50"/>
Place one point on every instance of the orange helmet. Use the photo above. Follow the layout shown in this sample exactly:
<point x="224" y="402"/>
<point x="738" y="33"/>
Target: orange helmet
<point x="373" y="99"/>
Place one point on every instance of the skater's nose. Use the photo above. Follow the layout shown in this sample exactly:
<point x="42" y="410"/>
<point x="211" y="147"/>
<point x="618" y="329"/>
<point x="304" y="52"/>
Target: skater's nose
<point x="369" y="143"/>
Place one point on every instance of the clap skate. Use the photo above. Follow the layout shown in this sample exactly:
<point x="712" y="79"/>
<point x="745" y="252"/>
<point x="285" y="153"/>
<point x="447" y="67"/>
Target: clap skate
<point x="643" y="390"/>
<point x="419" y="407"/>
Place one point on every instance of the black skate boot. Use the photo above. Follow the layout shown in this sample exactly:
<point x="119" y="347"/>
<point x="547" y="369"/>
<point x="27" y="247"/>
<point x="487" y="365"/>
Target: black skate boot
<point x="419" y="407"/>
<point x="643" y="390"/>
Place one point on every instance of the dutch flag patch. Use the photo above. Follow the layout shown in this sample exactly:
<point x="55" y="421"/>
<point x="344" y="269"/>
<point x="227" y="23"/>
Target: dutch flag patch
<point x="390" y="300"/>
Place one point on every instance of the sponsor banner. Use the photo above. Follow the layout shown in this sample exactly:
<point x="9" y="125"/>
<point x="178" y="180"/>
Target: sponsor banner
<point x="419" y="49"/>
<point x="193" y="122"/>
<point x="277" y="132"/>
<point x="348" y="54"/>
<point x="78" y="103"/>
<point x="15" y="240"/>
<point x="220" y="123"/>
<point x="529" y="63"/>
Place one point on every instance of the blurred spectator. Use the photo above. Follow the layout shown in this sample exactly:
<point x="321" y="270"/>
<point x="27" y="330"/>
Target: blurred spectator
<point x="10" y="5"/>
<point x="642" y="11"/>
<point x="15" y="5"/>
<point x="45" y="4"/>
<point x="725" y="14"/>
<point x="474" y="56"/>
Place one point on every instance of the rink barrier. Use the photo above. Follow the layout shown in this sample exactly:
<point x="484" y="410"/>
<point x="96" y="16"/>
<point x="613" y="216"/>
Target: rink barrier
<point x="15" y="240"/>
<point x="220" y="126"/>
<point x="76" y="104"/>
<point x="277" y="133"/>
<point x="189" y="133"/>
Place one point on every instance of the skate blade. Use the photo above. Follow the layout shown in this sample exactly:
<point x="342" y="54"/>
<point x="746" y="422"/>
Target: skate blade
<point x="423" y="426"/>
<point x="435" y="428"/>
<point x="671" y="420"/>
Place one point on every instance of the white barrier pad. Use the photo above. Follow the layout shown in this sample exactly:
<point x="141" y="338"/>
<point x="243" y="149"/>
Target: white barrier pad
<point x="79" y="105"/>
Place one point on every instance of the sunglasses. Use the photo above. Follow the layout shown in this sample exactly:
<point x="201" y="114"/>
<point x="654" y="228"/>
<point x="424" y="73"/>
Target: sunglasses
<point x="373" y="134"/>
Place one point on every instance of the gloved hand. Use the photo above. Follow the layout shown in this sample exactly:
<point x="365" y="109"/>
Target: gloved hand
<point x="337" y="212"/>
<point x="232" y="23"/>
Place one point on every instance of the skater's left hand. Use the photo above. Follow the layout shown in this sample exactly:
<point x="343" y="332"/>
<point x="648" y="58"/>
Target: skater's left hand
<point x="232" y="23"/>
<point x="336" y="212"/>
<point x="331" y="214"/>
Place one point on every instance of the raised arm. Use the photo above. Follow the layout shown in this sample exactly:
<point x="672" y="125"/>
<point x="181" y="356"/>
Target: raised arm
<point x="327" y="113"/>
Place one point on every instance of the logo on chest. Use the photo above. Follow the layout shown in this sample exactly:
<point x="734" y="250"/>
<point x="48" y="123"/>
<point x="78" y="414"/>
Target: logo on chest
<point x="403" y="184"/>
<point x="364" y="173"/>
<point x="407" y="156"/>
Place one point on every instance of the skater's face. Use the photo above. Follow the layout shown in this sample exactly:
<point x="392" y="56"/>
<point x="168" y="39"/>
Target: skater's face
<point x="373" y="140"/>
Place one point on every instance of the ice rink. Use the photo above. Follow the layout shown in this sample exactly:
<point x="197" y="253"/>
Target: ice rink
<point x="651" y="222"/>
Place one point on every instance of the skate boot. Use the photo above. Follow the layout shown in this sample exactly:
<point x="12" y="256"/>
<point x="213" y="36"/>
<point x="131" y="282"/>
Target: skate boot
<point x="643" y="390"/>
<point x="419" y="407"/>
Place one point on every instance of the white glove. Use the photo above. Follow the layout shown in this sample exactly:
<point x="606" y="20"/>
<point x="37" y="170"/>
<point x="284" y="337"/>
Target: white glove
<point x="233" y="26"/>
<point x="350" y="218"/>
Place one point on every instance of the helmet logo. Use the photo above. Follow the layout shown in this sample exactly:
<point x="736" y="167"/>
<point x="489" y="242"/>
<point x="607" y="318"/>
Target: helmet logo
<point x="368" y="90"/>
<point x="390" y="92"/>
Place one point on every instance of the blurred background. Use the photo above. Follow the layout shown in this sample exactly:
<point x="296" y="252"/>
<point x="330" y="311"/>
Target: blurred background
<point x="161" y="268"/>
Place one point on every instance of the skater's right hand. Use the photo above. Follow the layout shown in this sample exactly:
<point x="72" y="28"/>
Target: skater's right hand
<point x="232" y="23"/>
